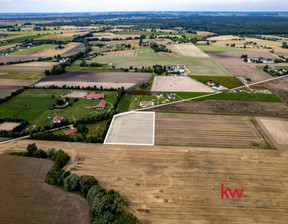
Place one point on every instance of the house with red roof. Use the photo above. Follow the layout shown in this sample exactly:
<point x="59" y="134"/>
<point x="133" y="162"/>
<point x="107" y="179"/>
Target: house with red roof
<point x="101" y="105"/>
<point x="94" y="96"/>
<point x="70" y="132"/>
<point x="56" y="119"/>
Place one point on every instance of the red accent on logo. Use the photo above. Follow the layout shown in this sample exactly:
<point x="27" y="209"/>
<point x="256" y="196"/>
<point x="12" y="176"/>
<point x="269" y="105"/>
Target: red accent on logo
<point x="232" y="194"/>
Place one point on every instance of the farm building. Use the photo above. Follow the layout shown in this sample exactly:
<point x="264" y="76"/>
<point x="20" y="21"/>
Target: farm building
<point x="70" y="132"/>
<point x="101" y="105"/>
<point x="56" y="119"/>
<point x="94" y="96"/>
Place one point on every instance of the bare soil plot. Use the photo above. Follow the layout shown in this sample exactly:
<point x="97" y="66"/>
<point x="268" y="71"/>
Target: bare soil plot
<point x="45" y="52"/>
<point x="249" y="71"/>
<point x="276" y="129"/>
<point x="233" y="57"/>
<point x="279" y="87"/>
<point x="65" y="35"/>
<point x="172" y="184"/>
<point x="8" y="126"/>
<point x="76" y="94"/>
<point x="187" y="50"/>
<point x="127" y="53"/>
<point x="132" y="128"/>
<point x="9" y="58"/>
<point x="227" y="107"/>
<point x="7" y="90"/>
<point x="178" y="84"/>
<point x="104" y="79"/>
<point x="134" y="43"/>
<point x="224" y="38"/>
<point x="161" y="41"/>
<point x="31" y="66"/>
<point x="206" y="130"/>
<point x="25" y="198"/>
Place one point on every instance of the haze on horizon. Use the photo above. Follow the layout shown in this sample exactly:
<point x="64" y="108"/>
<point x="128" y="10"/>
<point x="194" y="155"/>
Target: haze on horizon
<point x="18" y="6"/>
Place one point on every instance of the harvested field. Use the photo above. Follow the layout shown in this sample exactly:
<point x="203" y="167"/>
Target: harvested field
<point x="76" y="94"/>
<point x="172" y="184"/>
<point x="8" y="126"/>
<point x="224" y="38"/>
<point x="31" y="66"/>
<point x="279" y="87"/>
<point x="228" y="107"/>
<point x="206" y="33"/>
<point x="16" y="82"/>
<point x="25" y="198"/>
<point x="7" y="90"/>
<point x="113" y="36"/>
<point x="165" y="54"/>
<point x="46" y="52"/>
<point x="9" y="58"/>
<point x="64" y="36"/>
<point x="206" y="130"/>
<point x="233" y="57"/>
<point x="276" y="129"/>
<point x="249" y="71"/>
<point x="127" y="53"/>
<point x="134" y="43"/>
<point x="187" y="50"/>
<point x="104" y="79"/>
<point x="161" y="41"/>
<point x="75" y="50"/>
<point x="136" y="128"/>
<point x="178" y="84"/>
<point x="16" y="36"/>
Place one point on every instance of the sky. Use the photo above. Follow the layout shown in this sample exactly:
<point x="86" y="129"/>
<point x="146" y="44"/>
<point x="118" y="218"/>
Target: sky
<point x="140" y="5"/>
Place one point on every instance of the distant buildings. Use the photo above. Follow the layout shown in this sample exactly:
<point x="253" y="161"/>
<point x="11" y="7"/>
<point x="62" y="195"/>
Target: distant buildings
<point x="101" y="105"/>
<point x="93" y="96"/>
<point x="56" y="119"/>
<point x="70" y="132"/>
<point x="176" y="68"/>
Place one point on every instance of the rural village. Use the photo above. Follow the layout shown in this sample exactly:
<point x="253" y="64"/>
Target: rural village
<point x="125" y="118"/>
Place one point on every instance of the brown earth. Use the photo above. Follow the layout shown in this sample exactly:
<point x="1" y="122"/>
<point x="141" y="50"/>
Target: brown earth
<point x="15" y="82"/>
<point x="127" y="53"/>
<point x="279" y="87"/>
<point x="25" y="198"/>
<point x="169" y="184"/>
<point x="9" y="58"/>
<point x="204" y="33"/>
<point x="6" y="90"/>
<point x="165" y="54"/>
<point x="227" y="107"/>
<point x="249" y="71"/>
<point x="206" y="130"/>
<point x="233" y="57"/>
<point x="31" y="66"/>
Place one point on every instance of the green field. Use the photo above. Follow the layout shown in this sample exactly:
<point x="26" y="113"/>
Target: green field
<point x="196" y="66"/>
<point x="124" y="103"/>
<point x="217" y="48"/>
<point x="20" y="40"/>
<point x="146" y="52"/>
<point x="256" y="97"/>
<point x="24" y="75"/>
<point x="226" y="81"/>
<point x="34" y="105"/>
<point x="32" y="49"/>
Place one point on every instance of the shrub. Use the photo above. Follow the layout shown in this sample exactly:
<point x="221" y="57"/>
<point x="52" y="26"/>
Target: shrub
<point x="50" y="152"/>
<point x="62" y="176"/>
<point x="86" y="182"/>
<point x="93" y="192"/>
<point x="126" y="218"/>
<point x="40" y="154"/>
<point x="31" y="149"/>
<point x="71" y="182"/>
<point x="61" y="159"/>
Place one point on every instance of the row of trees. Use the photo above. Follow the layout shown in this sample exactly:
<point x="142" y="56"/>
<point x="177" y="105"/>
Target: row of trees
<point x="106" y="207"/>
<point x="159" y="48"/>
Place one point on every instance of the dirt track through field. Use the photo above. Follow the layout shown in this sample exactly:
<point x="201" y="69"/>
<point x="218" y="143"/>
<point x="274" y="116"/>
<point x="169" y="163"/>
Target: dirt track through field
<point x="169" y="184"/>
<point x="25" y="198"/>
<point x="206" y="130"/>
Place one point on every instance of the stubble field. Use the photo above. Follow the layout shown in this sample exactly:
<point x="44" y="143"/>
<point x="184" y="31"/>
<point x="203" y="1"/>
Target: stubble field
<point x="169" y="184"/>
<point x="206" y="130"/>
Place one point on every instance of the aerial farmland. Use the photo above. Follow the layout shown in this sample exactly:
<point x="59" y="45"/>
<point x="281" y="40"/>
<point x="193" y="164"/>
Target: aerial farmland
<point x="143" y="117"/>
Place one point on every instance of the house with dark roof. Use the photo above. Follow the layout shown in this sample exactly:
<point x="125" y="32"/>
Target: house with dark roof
<point x="101" y="105"/>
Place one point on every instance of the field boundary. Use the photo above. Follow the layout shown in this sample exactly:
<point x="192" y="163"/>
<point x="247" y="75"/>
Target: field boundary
<point x="123" y="143"/>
